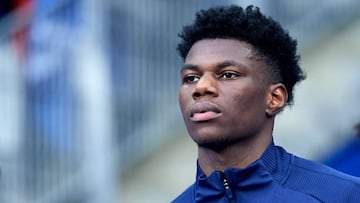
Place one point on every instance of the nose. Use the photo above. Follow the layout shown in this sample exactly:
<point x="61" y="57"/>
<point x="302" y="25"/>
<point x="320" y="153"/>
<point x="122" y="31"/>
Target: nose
<point x="205" y="86"/>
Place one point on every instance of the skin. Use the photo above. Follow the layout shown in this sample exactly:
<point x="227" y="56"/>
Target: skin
<point x="234" y="102"/>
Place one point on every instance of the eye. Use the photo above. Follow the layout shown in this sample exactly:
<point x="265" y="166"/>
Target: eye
<point x="229" y="75"/>
<point x="190" y="78"/>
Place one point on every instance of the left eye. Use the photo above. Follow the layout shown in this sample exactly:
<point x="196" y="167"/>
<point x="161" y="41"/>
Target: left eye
<point x="229" y="75"/>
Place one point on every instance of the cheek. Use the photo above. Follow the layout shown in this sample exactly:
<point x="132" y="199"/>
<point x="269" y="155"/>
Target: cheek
<point x="248" y="99"/>
<point x="183" y="98"/>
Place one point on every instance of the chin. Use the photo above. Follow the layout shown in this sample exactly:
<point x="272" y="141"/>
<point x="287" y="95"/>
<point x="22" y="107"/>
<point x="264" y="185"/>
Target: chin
<point x="214" y="144"/>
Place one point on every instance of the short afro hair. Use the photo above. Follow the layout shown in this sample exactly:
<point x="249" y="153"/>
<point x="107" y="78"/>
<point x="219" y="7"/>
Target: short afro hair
<point x="267" y="36"/>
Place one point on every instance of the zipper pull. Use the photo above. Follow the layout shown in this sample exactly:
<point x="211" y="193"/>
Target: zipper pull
<point x="228" y="190"/>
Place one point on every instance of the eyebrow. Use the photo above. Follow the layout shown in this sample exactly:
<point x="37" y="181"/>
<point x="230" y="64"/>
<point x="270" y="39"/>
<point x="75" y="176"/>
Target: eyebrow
<point x="227" y="63"/>
<point x="220" y="65"/>
<point x="189" y="67"/>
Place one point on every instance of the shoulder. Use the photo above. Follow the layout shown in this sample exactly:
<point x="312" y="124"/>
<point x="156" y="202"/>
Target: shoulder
<point x="322" y="182"/>
<point x="306" y="168"/>
<point x="186" y="196"/>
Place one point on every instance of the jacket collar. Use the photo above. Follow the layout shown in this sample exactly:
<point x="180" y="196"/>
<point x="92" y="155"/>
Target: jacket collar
<point x="267" y="168"/>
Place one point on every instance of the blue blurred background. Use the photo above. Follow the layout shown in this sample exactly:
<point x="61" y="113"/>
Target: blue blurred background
<point x="88" y="96"/>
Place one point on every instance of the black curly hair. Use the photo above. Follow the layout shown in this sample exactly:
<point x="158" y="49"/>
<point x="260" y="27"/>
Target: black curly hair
<point x="271" y="42"/>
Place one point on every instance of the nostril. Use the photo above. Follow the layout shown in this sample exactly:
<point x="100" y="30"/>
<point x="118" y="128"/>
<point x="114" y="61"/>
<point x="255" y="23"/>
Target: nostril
<point x="196" y="94"/>
<point x="209" y="92"/>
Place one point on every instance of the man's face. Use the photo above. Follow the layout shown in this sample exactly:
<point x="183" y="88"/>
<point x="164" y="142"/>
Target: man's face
<point x="223" y="93"/>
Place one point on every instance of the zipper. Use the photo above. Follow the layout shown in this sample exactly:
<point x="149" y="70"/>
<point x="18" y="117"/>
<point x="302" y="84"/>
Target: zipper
<point x="229" y="193"/>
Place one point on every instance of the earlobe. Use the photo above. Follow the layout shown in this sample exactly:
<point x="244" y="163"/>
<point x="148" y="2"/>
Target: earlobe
<point x="277" y="99"/>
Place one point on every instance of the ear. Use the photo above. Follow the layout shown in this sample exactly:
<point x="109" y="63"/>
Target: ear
<point x="276" y="100"/>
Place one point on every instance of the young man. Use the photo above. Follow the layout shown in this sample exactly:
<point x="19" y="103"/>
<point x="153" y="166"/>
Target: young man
<point x="239" y="71"/>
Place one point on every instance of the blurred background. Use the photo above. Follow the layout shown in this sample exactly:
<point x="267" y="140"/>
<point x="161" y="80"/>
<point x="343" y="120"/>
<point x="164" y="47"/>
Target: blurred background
<point x="88" y="96"/>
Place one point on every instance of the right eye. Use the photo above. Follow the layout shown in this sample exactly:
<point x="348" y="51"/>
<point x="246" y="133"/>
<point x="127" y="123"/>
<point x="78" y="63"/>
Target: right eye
<point x="190" y="79"/>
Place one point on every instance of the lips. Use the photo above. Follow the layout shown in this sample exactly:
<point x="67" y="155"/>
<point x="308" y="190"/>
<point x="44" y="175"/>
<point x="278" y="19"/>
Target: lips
<point x="204" y="111"/>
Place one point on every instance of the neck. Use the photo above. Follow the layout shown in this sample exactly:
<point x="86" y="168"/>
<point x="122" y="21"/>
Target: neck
<point x="239" y="155"/>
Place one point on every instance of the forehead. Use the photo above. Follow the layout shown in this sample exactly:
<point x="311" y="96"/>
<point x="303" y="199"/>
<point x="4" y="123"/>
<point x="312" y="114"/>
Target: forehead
<point x="215" y="50"/>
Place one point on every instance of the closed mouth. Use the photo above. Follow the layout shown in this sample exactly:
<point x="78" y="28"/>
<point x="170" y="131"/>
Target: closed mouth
<point x="204" y="111"/>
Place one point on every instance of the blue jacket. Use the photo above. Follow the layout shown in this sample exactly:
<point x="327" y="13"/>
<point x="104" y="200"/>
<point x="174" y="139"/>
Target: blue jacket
<point x="276" y="177"/>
